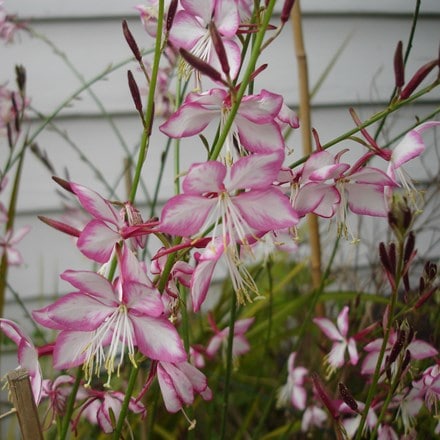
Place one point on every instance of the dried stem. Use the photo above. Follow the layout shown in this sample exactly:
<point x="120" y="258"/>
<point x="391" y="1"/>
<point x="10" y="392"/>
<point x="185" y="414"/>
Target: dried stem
<point x="306" y="131"/>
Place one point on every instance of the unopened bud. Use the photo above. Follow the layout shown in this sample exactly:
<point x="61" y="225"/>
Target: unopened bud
<point x="63" y="183"/>
<point x="134" y="90"/>
<point x="347" y="397"/>
<point x="383" y="255"/>
<point x="20" y="77"/>
<point x="418" y="77"/>
<point x="219" y="47"/>
<point x="287" y="7"/>
<point x="409" y="246"/>
<point x="131" y="41"/>
<point x="324" y="396"/>
<point x="200" y="65"/>
<point x="399" y="67"/>
<point x="171" y="14"/>
<point x="398" y="346"/>
<point x="406" y="360"/>
<point x="59" y="226"/>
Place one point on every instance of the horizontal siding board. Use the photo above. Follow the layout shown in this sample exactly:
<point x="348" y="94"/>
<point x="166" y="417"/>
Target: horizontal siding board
<point x="363" y="73"/>
<point x="56" y="9"/>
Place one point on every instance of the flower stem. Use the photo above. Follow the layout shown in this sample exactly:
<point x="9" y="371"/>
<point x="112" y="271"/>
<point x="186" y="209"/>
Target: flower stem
<point x="149" y="112"/>
<point x="70" y="404"/>
<point x="124" y="409"/>
<point x="387" y="331"/>
<point x="255" y="53"/>
<point x="228" y="372"/>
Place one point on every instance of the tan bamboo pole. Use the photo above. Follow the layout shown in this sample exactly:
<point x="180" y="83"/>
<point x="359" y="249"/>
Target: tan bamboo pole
<point x="24" y="403"/>
<point x="306" y="135"/>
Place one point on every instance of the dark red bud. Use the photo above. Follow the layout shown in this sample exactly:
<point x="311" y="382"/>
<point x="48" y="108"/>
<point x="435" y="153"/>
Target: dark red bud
<point x="383" y="255"/>
<point x="131" y="41"/>
<point x="63" y="183"/>
<point x="392" y="255"/>
<point x="398" y="346"/>
<point x="409" y="246"/>
<point x="171" y="14"/>
<point x="134" y="90"/>
<point x="200" y="65"/>
<point x="20" y="77"/>
<point x="425" y="297"/>
<point x="418" y="77"/>
<point x="406" y="360"/>
<point x="324" y="396"/>
<point x="63" y="227"/>
<point x="399" y="68"/>
<point x="347" y="397"/>
<point x="219" y="47"/>
<point x="287" y="7"/>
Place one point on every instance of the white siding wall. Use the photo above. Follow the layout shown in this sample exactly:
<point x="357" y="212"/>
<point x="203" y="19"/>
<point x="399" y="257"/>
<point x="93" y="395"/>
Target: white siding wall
<point x="90" y="33"/>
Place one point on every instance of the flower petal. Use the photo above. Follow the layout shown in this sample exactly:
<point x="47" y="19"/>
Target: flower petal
<point x="204" y="177"/>
<point x="266" y="210"/>
<point x="185" y="215"/>
<point x="158" y="339"/>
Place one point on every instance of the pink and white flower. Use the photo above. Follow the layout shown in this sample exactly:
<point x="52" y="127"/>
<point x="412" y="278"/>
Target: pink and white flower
<point x="179" y="382"/>
<point x="190" y="31"/>
<point x="256" y="125"/>
<point x="121" y="315"/>
<point x="293" y="391"/>
<point x="341" y="344"/>
<point x="27" y="355"/>
<point x="240" y="344"/>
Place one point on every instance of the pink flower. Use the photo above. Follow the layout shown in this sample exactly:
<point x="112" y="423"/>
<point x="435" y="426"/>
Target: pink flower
<point x="103" y="407"/>
<point x="213" y="194"/>
<point x="122" y="316"/>
<point x="429" y="386"/>
<point x="108" y="227"/>
<point x="410" y="147"/>
<point x="313" y="416"/>
<point x="256" y="125"/>
<point x="179" y="382"/>
<point x="293" y="391"/>
<point x="27" y="355"/>
<point x="341" y="344"/>
<point x="8" y="242"/>
<point x="190" y="30"/>
<point x="240" y="344"/>
<point x="418" y="349"/>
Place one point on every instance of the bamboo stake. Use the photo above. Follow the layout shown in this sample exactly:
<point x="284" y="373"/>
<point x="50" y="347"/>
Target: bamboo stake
<point x="306" y="131"/>
<point x="24" y="403"/>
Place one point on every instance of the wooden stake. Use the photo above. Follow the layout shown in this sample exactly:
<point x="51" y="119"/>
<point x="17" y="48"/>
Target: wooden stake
<point x="23" y="400"/>
<point x="306" y="132"/>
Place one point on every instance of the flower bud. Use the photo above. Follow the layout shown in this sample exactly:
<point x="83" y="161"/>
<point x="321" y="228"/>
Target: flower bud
<point x="171" y="14"/>
<point x="399" y="68"/>
<point x="131" y="41"/>
<point x="134" y="90"/>
<point x="347" y="397"/>
<point x="324" y="396"/>
<point x="418" y="77"/>
<point x="20" y="77"/>
<point x="200" y="65"/>
<point x="285" y="12"/>
<point x="219" y="47"/>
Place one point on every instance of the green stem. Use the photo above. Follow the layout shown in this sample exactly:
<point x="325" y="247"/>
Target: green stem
<point x="229" y="362"/>
<point x="9" y="226"/>
<point x="70" y="405"/>
<point x="124" y="409"/>
<point x="377" y="372"/>
<point x="244" y="84"/>
<point x="375" y="118"/>
<point x="149" y="112"/>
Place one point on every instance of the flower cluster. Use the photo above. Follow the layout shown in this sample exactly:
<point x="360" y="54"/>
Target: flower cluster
<point x="131" y="313"/>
